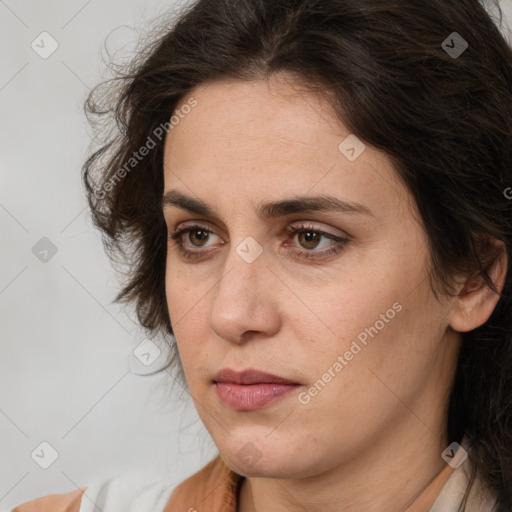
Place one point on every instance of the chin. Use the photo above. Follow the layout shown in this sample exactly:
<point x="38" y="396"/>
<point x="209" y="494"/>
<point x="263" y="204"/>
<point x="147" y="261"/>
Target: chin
<point x="262" y="458"/>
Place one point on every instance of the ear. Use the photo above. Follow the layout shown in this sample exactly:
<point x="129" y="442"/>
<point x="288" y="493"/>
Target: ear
<point x="475" y="301"/>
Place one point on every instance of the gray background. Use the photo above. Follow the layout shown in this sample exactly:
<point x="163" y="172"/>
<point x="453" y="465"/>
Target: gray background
<point x="67" y="373"/>
<point x="65" y="368"/>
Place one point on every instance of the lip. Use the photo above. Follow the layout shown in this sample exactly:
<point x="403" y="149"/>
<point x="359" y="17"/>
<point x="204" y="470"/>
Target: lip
<point x="250" y="390"/>
<point x="249" y="376"/>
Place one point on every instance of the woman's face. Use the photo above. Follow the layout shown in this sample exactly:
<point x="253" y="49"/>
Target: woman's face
<point x="342" y="308"/>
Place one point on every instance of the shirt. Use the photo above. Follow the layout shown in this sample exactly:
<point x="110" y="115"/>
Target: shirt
<point x="215" y="488"/>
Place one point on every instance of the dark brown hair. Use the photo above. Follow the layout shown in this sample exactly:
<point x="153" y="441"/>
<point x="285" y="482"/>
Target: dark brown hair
<point x="445" y="121"/>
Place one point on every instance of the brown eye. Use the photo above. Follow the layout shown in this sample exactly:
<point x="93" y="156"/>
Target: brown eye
<point x="199" y="235"/>
<point x="315" y="243"/>
<point x="309" y="239"/>
<point x="193" y="241"/>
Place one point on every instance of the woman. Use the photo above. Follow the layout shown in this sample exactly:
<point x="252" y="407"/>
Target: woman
<point x="312" y="198"/>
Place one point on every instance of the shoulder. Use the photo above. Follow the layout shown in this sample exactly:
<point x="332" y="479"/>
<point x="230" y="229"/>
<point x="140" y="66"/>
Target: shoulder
<point x="69" y="502"/>
<point x="136" y="491"/>
<point x="132" y="491"/>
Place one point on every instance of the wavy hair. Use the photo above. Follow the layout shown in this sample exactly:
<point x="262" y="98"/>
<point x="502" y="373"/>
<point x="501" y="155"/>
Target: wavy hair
<point x="444" y="120"/>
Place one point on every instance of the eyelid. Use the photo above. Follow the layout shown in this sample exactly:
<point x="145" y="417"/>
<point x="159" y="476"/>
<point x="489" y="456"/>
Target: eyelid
<point x="308" y="225"/>
<point x="193" y="224"/>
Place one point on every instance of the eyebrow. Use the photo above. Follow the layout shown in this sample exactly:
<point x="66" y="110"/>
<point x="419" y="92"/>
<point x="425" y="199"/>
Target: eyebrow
<point x="269" y="210"/>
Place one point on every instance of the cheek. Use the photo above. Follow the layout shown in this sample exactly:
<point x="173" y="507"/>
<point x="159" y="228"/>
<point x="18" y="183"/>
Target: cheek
<point x="178" y="297"/>
<point x="186" y="303"/>
<point x="183" y="293"/>
<point x="357" y="310"/>
<point x="387" y="345"/>
<point x="379" y="317"/>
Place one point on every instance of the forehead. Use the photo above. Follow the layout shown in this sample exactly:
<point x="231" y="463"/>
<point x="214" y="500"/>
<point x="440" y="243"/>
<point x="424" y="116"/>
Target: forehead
<point x="252" y="113"/>
<point x="264" y="138"/>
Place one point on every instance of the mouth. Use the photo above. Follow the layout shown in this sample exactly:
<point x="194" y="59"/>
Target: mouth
<point x="250" y="390"/>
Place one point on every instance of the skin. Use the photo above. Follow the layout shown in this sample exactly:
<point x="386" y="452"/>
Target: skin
<point x="372" y="438"/>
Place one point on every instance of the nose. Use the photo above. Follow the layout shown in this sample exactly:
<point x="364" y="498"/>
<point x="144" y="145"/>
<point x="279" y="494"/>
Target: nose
<point x="246" y="299"/>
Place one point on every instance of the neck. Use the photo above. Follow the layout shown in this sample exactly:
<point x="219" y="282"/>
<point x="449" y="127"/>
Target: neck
<point x="387" y="476"/>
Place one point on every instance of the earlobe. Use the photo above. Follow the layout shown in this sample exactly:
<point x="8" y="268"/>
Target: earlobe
<point x="476" y="301"/>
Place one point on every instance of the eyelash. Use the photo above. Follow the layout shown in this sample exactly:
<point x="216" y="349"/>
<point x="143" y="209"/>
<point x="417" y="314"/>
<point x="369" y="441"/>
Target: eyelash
<point x="290" y="231"/>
